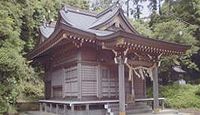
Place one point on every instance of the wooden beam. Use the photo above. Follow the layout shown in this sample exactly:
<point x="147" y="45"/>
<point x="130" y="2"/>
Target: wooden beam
<point x="72" y="107"/>
<point x="57" y="108"/>
<point x="79" y="68"/>
<point x="50" y="107"/>
<point x="63" y="83"/>
<point x="45" y="107"/>
<point x="155" y="90"/>
<point x="87" y="107"/>
<point x="121" y="76"/>
<point x="41" y="107"/>
<point x="140" y="63"/>
<point x="65" y="109"/>
<point x="99" y="82"/>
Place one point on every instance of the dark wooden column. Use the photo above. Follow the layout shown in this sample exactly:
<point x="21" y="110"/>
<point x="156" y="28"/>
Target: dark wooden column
<point x="155" y="89"/>
<point x="121" y="77"/>
<point x="79" y="68"/>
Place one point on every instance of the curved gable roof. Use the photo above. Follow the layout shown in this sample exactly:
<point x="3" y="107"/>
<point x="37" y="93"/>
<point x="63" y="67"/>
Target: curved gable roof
<point x="89" y="25"/>
<point x="88" y="21"/>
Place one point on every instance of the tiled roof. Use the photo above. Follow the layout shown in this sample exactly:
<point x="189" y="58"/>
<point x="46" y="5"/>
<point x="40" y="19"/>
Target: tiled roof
<point x="82" y="20"/>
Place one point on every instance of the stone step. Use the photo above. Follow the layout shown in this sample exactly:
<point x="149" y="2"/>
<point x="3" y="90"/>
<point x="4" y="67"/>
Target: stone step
<point x="111" y="105"/>
<point x="136" y="111"/>
<point x="137" y="106"/>
<point x="130" y="112"/>
<point x="113" y="109"/>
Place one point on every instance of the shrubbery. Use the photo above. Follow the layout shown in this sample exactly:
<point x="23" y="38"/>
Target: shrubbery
<point x="180" y="96"/>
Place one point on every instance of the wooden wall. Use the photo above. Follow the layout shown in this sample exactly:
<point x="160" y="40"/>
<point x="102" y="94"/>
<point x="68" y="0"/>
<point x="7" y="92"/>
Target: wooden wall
<point x="109" y="82"/>
<point x="89" y="80"/>
<point x="93" y="74"/>
<point x="64" y="57"/>
<point x="140" y="87"/>
<point x="57" y="78"/>
<point x="71" y="82"/>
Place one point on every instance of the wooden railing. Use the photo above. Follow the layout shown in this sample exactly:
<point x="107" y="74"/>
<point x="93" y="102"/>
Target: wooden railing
<point x="61" y="107"/>
<point x="47" y="105"/>
<point x="162" y="101"/>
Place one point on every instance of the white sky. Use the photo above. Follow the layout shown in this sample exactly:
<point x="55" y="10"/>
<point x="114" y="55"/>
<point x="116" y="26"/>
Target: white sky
<point x="145" y="11"/>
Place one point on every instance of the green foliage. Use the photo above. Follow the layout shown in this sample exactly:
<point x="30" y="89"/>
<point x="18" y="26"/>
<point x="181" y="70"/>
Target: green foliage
<point x="19" y="22"/>
<point x="174" y="31"/>
<point x="31" y="90"/>
<point x="142" y="27"/>
<point x="178" y="32"/>
<point x="197" y="92"/>
<point x="171" y="31"/>
<point x="13" y="66"/>
<point x="13" y="69"/>
<point x="100" y="5"/>
<point x="180" y="96"/>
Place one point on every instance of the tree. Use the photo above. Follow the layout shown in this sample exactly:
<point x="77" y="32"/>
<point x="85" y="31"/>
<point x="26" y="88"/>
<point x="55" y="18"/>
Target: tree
<point x="13" y="67"/>
<point x="142" y="27"/>
<point x="135" y="9"/>
<point x="19" y="22"/>
<point x="99" y="5"/>
<point x="179" y="32"/>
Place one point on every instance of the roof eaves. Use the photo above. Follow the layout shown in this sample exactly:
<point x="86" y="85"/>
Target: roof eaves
<point x="62" y="16"/>
<point x="128" y="36"/>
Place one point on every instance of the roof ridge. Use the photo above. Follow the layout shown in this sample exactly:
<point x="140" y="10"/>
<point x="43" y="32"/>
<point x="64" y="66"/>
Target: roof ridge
<point x="115" y="5"/>
<point x="79" y="10"/>
<point x="92" y="25"/>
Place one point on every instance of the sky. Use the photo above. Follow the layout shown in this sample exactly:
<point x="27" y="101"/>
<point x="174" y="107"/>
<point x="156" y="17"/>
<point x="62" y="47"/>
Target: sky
<point x="145" y="11"/>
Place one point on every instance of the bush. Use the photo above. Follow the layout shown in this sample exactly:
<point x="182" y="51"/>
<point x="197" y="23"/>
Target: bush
<point x="197" y="92"/>
<point x="31" y="91"/>
<point x="180" y="96"/>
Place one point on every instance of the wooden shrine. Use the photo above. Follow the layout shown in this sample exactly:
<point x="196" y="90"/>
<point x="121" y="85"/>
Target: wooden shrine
<point x="95" y="60"/>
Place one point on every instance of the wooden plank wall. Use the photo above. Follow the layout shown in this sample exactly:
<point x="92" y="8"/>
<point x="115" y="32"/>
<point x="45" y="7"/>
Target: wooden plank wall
<point x="139" y="85"/>
<point x="89" y="80"/>
<point x="94" y="78"/>
<point x="57" y="77"/>
<point x="109" y="83"/>
<point x="71" y="82"/>
<point x="64" y="56"/>
<point x="56" y="83"/>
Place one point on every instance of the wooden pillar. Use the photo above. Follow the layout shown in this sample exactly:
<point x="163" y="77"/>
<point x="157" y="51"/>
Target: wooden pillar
<point x="99" y="82"/>
<point x="50" y="107"/>
<point x="155" y="90"/>
<point x="41" y="107"/>
<point x="87" y="107"/>
<point x="79" y="81"/>
<point x="57" y="108"/>
<point x="63" y="83"/>
<point x="45" y="107"/>
<point x="79" y="68"/>
<point x="121" y="77"/>
<point x="65" y="109"/>
<point x="72" y="107"/>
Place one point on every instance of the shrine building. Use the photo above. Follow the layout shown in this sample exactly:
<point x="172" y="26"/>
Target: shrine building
<point x="97" y="63"/>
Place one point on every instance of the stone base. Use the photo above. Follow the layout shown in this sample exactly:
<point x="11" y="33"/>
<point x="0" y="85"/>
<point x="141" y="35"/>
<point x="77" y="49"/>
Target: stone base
<point x="122" y="113"/>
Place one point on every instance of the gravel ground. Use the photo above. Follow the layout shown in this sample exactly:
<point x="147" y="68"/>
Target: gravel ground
<point x="163" y="112"/>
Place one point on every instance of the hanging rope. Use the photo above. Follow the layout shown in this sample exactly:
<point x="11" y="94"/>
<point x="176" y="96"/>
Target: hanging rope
<point x="140" y="71"/>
